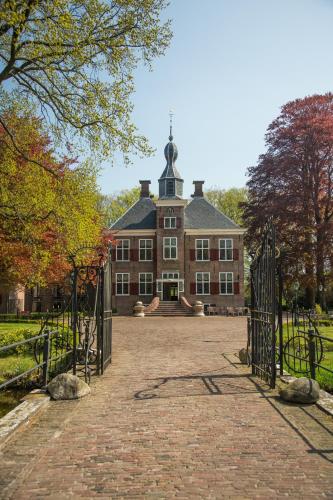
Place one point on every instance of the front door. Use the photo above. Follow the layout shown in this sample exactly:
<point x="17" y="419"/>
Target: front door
<point x="170" y="291"/>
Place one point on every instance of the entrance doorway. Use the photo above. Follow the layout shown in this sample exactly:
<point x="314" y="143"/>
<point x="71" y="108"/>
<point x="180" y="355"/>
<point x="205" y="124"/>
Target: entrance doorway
<point x="170" y="291"/>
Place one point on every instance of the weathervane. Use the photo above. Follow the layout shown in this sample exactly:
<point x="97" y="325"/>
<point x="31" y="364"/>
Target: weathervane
<point x="171" y="116"/>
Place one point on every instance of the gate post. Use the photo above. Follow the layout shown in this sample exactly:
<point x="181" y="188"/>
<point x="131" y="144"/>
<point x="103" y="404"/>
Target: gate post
<point x="74" y="318"/>
<point x="312" y="353"/>
<point x="46" y="356"/>
<point x="280" y="319"/>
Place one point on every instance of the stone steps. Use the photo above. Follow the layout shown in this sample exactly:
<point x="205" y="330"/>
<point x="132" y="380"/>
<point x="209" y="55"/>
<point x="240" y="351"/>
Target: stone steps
<point x="170" y="309"/>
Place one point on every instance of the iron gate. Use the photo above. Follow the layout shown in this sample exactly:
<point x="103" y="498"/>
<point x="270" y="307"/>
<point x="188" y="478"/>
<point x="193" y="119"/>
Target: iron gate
<point x="92" y="318"/>
<point x="262" y="324"/>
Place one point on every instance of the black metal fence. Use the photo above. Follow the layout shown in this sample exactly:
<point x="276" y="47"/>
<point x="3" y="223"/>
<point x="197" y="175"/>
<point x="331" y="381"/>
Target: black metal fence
<point x="78" y="337"/>
<point x="304" y="350"/>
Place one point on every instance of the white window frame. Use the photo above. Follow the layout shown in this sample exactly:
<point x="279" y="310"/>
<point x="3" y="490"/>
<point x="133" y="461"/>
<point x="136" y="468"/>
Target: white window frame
<point x="145" y="283"/>
<point x="146" y="250"/>
<point x="203" y="282"/>
<point x="121" y="250"/>
<point x="198" y="249"/>
<point x="226" y="249"/>
<point x="226" y="281"/>
<point x="170" y="275"/>
<point x="165" y="238"/>
<point x="122" y="284"/>
<point x="171" y="221"/>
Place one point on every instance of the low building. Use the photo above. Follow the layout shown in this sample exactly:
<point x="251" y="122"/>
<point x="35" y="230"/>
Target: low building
<point x="175" y="247"/>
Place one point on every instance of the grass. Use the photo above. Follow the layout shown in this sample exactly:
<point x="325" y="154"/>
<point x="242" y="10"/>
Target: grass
<point x="299" y="347"/>
<point x="11" y="327"/>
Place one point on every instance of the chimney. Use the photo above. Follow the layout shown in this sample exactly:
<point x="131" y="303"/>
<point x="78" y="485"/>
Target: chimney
<point x="198" y="191"/>
<point x="144" y="189"/>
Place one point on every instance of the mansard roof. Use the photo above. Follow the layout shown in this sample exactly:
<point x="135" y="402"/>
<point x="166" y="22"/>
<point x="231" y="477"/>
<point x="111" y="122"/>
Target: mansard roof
<point x="141" y="215"/>
<point x="201" y="214"/>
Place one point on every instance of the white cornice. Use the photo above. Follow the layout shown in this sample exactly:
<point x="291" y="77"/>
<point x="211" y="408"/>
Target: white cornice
<point x="171" y="203"/>
<point x="215" y="232"/>
<point x="134" y="232"/>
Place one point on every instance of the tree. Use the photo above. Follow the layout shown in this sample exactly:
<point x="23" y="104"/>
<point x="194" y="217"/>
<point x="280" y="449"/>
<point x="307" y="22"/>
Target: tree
<point x="228" y="201"/>
<point x="75" y="60"/>
<point x="43" y="218"/>
<point x="293" y="184"/>
<point x="113" y="206"/>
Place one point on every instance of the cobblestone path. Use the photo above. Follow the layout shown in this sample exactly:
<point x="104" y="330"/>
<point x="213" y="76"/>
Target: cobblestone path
<point x="174" y="417"/>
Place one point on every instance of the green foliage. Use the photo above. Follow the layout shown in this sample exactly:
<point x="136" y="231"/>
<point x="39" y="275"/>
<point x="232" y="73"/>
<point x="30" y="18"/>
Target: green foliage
<point x="318" y="309"/>
<point x="12" y="336"/>
<point x="114" y="205"/>
<point x="45" y="215"/>
<point x="229" y="202"/>
<point x="14" y="365"/>
<point x="76" y="61"/>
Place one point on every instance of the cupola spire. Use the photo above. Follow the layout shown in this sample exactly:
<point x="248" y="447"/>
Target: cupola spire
<point x="171" y="116"/>
<point x="170" y="182"/>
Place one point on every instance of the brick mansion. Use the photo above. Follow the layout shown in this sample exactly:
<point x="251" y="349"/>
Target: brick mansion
<point x="174" y="247"/>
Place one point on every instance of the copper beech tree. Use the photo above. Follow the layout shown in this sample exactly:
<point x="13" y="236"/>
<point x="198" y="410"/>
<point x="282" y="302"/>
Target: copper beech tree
<point x="292" y="183"/>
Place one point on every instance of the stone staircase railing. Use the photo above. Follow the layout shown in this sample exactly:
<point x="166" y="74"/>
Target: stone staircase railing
<point x="153" y="305"/>
<point x="197" y="309"/>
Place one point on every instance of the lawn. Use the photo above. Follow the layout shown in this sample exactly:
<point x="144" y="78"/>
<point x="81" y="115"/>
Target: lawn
<point x="21" y="358"/>
<point x="14" y="327"/>
<point x="299" y="347"/>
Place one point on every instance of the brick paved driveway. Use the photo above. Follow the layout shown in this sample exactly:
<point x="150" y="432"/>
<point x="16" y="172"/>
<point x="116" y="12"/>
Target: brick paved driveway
<point x="175" y="416"/>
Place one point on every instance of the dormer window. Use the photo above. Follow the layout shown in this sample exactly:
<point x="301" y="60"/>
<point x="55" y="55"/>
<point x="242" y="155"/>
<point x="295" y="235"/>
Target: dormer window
<point x="170" y="191"/>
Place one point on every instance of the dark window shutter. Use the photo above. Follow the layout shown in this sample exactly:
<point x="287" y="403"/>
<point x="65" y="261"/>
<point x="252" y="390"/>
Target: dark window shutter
<point x="179" y="222"/>
<point x="192" y="289"/>
<point x="236" y="254"/>
<point x="113" y="288"/>
<point x="214" y="254"/>
<point x="134" y="254"/>
<point x="236" y="287"/>
<point x="155" y="254"/>
<point x="113" y="253"/>
<point x="161" y="222"/>
<point x="134" y="289"/>
<point x="192" y="254"/>
<point x="154" y="288"/>
<point x="214" y="288"/>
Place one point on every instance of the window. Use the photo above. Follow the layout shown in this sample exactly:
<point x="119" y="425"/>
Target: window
<point x="170" y="190"/>
<point x="170" y="276"/>
<point x="226" y="283"/>
<point x="146" y="250"/>
<point x="203" y="283"/>
<point x="123" y="250"/>
<point x="146" y="283"/>
<point x="202" y="249"/>
<point x="226" y="250"/>
<point x="170" y="248"/>
<point x="169" y="222"/>
<point x="122" y="282"/>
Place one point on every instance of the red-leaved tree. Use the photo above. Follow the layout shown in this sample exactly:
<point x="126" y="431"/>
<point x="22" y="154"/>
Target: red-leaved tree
<point x="292" y="183"/>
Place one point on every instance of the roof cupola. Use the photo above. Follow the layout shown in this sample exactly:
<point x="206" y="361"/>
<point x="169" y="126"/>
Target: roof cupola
<point x="170" y="182"/>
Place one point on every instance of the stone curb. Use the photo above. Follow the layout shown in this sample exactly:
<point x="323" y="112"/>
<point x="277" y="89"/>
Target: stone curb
<point x="31" y="405"/>
<point x="325" y="401"/>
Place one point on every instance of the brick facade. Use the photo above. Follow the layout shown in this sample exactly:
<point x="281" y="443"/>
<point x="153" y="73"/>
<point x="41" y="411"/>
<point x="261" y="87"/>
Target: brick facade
<point x="174" y="261"/>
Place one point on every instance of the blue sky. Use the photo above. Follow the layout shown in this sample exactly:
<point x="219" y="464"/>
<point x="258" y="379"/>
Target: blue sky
<point x="231" y="65"/>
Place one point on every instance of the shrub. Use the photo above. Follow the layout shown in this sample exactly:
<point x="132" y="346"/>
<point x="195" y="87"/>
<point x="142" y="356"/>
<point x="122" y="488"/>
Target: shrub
<point x="11" y="337"/>
<point x="318" y="310"/>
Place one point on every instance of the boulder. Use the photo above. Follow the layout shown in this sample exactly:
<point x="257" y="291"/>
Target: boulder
<point x="243" y="356"/>
<point x="67" y="386"/>
<point x="301" y="390"/>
